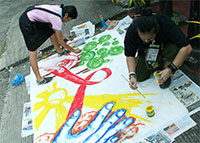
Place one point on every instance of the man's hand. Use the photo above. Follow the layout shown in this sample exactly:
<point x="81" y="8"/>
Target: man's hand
<point x="133" y="83"/>
<point x="164" y="75"/>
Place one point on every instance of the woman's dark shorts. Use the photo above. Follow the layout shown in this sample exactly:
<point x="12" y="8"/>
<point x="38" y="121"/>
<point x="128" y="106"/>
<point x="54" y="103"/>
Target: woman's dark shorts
<point x="35" y="33"/>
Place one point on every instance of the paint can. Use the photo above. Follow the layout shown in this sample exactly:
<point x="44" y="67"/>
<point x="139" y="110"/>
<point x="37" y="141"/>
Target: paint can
<point x="150" y="111"/>
<point x="157" y="76"/>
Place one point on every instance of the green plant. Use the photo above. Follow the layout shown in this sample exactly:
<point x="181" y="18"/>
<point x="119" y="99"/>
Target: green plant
<point x="137" y="3"/>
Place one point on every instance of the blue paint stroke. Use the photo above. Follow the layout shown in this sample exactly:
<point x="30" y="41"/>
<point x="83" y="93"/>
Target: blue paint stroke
<point x="98" y="130"/>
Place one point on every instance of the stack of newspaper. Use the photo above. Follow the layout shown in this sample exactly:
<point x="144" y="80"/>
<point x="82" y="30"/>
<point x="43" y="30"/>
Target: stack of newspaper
<point x="80" y="33"/>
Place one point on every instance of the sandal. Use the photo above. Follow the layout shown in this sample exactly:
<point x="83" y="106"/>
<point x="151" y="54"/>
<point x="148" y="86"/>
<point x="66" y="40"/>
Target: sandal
<point x="45" y="80"/>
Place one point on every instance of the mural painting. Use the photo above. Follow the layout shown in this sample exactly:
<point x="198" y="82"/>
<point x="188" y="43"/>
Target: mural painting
<point x="89" y="101"/>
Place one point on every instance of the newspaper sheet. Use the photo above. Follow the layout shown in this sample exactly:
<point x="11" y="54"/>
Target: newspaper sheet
<point x="186" y="91"/>
<point x="27" y="123"/>
<point x="159" y="137"/>
<point x="170" y="132"/>
<point x="123" y="25"/>
<point x="85" y="30"/>
<point x="27" y="80"/>
<point x="111" y="24"/>
<point x="179" y="126"/>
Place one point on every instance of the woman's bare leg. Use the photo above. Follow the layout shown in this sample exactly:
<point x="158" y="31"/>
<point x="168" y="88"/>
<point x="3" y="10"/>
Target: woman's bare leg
<point x="34" y="65"/>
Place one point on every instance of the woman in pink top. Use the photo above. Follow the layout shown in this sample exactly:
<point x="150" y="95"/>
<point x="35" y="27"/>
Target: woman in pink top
<point x="40" y="22"/>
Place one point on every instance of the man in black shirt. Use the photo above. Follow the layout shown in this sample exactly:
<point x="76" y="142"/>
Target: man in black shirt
<point x="158" y="44"/>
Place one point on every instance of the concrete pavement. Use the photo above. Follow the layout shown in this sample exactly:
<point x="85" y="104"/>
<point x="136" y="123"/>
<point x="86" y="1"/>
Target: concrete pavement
<point x="15" y="46"/>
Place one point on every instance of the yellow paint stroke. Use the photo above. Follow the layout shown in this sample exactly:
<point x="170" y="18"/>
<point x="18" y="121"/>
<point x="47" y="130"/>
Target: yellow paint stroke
<point x="51" y="102"/>
<point x="125" y="101"/>
<point x="170" y="103"/>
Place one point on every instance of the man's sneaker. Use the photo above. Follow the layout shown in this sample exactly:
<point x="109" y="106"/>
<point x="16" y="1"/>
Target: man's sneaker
<point x="166" y="83"/>
<point x="45" y="80"/>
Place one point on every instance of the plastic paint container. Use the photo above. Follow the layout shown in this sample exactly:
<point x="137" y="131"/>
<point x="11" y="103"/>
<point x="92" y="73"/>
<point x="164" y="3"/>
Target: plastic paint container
<point x="157" y="76"/>
<point x="150" y="111"/>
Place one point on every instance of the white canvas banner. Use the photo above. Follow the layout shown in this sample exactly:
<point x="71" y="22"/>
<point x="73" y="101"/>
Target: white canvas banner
<point x="93" y="83"/>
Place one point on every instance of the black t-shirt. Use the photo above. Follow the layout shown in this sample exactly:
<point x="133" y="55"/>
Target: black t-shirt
<point x="168" y="32"/>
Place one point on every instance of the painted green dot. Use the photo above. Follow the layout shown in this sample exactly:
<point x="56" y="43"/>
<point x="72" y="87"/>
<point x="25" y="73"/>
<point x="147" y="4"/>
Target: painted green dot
<point x="87" y="56"/>
<point x="115" y="42"/>
<point x="116" y="50"/>
<point x="81" y="63"/>
<point x="107" y="60"/>
<point x="95" y="63"/>
<point x="103" y="52"/>
<point x="115" y="39"/>
<point x="90" y="45"/>
<point x="96" y="49"/>
<point x="104" y="38"/>
<point x="94" y="38"/>
<point x="106" y="44"/>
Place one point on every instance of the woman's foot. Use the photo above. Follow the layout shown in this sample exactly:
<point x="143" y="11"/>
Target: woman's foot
<point x="45" y="80"/>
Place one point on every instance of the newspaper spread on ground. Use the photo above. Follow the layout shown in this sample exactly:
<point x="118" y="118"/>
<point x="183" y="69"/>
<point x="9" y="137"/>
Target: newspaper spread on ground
<point x="186" y="91"/>
<point x="80" y="33"/>
<point x="111" y="24"/>
<point x="170" y="132"/>
<point x="179" y="126"/>
<point x="27" y="80"/>
<point x="159" y="137"/>
<point x="85" y="30"/>
<point x="123" y="25"/>
<point x="78" y="41"/>
<point x="27" y="123"/>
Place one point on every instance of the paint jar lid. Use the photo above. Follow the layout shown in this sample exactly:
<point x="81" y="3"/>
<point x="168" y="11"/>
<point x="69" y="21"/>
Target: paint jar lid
<point x="149" y="108"/>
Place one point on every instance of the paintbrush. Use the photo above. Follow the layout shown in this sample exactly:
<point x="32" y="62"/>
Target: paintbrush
<point x="136" y="88"/>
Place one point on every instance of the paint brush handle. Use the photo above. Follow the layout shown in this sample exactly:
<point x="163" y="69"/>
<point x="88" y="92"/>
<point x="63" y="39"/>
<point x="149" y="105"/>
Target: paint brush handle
<point x="136" y="88"/>
<point x="140" y="93"/>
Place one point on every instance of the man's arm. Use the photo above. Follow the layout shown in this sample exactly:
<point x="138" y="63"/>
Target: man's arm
<point x="178" y="61"/>
<point x="131" y="64"/>
<point x="182" y="55"/>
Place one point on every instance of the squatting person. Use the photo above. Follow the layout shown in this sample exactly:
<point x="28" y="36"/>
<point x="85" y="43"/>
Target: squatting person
<point x="154" y="42"/>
